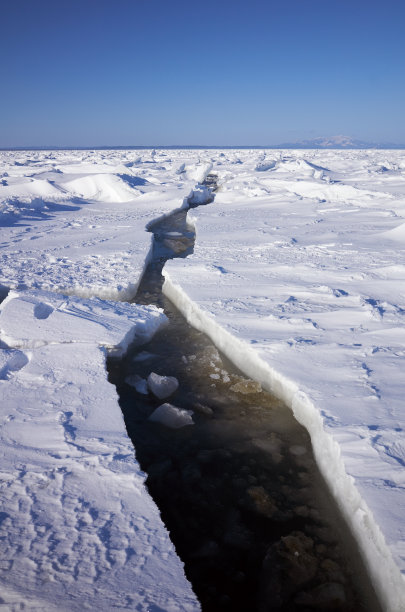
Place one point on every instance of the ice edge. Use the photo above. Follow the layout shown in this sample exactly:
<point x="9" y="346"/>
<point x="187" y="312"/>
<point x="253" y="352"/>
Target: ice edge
<point x="383" y="571"/>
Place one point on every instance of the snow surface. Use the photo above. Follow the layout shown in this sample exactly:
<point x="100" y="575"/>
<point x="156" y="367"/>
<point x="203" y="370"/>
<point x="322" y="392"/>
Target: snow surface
<point x="297" y="274"/>
<point x="78" y="527"/>
<point x="75" y="222"/>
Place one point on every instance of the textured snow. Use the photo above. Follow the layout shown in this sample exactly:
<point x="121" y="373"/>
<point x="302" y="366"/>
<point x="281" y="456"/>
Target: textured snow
<point x="298" y="275"/>
<point x="75" y="222"/>
<point x="78" y="528"/>
<point x="32" y="318"/>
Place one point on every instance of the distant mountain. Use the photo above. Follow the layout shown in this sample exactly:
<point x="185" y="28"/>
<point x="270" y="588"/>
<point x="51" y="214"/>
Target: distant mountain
<point x="337" y="142"/>
<point x="322" y="142"/>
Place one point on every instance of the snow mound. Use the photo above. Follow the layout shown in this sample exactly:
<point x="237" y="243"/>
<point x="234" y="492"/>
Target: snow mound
<point x="397" y="233"/>
<point x="294" y="165"/>
<point x="21" y="187"/>
<point x="100" y="187"/>
<point x="195" y="172"/>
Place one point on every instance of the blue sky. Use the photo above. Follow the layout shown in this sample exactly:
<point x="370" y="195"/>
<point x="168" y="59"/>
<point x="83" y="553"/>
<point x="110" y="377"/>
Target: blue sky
<point x="144" y="72"/>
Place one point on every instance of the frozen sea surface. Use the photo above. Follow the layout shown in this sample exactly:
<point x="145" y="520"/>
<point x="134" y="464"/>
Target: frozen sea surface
<point x="77" y="525"/>
<point x="75" y="222"/>
<point x="78" y="528"/>
<point x="297" y="274"/>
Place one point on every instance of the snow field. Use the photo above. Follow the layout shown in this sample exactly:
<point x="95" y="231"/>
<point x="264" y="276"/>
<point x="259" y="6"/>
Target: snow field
<point x="296" y="275"/>
<point x="75" y="222"/>
<point x="78" y="528"/>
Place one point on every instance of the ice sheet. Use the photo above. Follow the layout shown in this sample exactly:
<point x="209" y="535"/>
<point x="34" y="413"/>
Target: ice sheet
<point x="298" y="275"/>
<point x="78" y="528"/>
<point x="75" y="221"/>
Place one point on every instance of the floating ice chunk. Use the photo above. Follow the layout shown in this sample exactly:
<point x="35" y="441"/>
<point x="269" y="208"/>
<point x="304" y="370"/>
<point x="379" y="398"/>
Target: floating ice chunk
<point x="162" y="386"/>
<point x="203" y="409"/>
<point x="246" y="386"/>
<point x="171" y="416"/>
<point x="272" y="445"/>
<point x="139" y="383"/>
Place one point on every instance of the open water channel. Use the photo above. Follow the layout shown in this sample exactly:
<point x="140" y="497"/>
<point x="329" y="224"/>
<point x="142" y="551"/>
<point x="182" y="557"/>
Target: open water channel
<point x="239" y="489"/>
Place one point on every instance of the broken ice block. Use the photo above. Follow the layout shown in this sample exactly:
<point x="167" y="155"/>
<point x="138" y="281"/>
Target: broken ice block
<point x="162" y="386"/>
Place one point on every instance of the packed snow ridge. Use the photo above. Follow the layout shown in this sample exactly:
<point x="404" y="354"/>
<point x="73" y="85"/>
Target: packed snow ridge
<point x="297" y="275"/>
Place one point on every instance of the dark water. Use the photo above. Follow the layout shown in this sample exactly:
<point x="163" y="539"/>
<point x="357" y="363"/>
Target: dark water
<point x="4" y="291"/>
<point x="239" y="489"/>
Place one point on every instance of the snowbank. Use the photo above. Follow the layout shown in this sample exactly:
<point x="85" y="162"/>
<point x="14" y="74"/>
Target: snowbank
<point x="78" y="528"/>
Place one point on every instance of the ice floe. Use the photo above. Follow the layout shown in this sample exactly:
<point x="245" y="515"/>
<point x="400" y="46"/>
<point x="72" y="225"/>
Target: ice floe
<point x="172" y="416"/>
<point x="162" y="386"/>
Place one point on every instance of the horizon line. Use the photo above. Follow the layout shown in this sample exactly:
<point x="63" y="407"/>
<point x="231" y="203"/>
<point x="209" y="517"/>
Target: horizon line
<point x="200" y="146"/>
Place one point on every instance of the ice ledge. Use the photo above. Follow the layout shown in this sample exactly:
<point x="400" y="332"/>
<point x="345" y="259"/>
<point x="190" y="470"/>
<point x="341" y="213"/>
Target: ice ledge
<point x="29" y="319"/>
<point x="384" y="572"/>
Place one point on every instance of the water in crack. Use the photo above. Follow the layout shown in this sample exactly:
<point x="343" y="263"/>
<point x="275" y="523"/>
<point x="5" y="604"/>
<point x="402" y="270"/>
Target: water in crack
<point x="239" y="489"/>
<point x="4" y="291"/>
